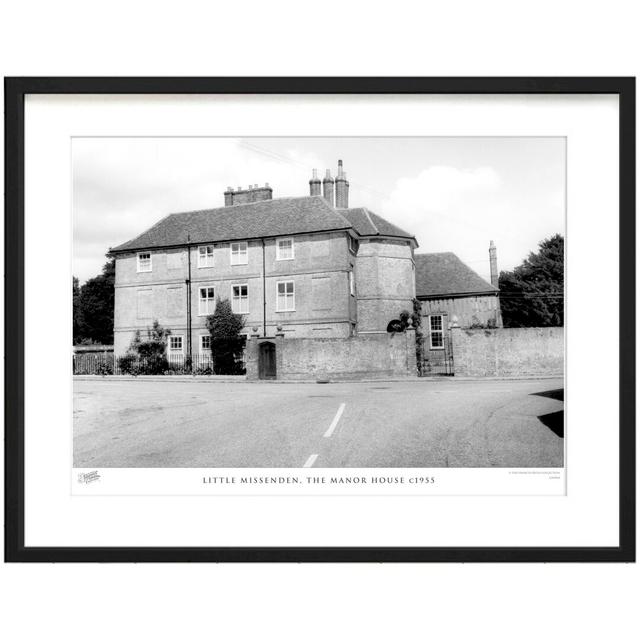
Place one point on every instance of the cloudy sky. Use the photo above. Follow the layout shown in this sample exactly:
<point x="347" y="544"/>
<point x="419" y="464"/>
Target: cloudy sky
<point x="453" y="194"/>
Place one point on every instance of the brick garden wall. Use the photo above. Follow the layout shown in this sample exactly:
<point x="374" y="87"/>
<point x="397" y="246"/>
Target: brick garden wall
<point x="367" y="356"/>
<point x="508" y="352"/>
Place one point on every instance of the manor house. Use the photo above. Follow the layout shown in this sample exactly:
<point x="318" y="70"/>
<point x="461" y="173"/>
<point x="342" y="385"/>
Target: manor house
<point x="307" y="267"/>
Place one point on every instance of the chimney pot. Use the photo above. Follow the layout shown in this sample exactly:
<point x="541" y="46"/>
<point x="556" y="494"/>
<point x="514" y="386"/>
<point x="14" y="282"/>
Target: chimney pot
<point x="253" y="193"/>
<point x="328" y="187"/>
<point x="493" y="264"/>
<point x="314" y="184"/>
<point x="342" y="188"/>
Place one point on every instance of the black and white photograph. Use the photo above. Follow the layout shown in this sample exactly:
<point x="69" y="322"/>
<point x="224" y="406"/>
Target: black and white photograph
<point x="318" y="302"/>
<point x="361" y="317"/>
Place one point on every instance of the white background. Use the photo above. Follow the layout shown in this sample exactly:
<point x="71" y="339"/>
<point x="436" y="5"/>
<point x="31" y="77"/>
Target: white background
<point x="489" y="38"/>
<point x="586" y="516"/>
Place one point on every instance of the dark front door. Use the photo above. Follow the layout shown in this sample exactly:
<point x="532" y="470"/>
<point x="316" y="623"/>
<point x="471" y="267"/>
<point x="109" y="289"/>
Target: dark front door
<point x="267" y="361"/>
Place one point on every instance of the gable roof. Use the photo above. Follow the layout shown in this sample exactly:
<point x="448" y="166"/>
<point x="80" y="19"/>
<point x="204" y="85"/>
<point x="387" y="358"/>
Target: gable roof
<point x="265" y="218"/>
<point x="441" y="275"/>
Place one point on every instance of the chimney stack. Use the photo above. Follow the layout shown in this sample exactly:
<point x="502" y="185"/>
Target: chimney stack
<point x="327" y="187"/>
<point x="342" y="188"/>
<point x="314" y="184"/>
<point x="493" y="263"/>
<point x="253" y="193"/>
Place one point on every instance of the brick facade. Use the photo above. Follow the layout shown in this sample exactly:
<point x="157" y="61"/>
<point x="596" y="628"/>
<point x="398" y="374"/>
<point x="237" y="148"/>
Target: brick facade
<point x="385" y="282"/>
<point x="324" y="306"/>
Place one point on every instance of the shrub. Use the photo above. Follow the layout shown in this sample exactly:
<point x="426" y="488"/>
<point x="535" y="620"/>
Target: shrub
<point x="147" y="357"/>
<point x="128" y="364"/>
<point x="153" y="365"/>
<point x="402" y="324"/>
<point x="204" y="370"/>
<point x="226" y="342"/>
<point x="104" y="368"/>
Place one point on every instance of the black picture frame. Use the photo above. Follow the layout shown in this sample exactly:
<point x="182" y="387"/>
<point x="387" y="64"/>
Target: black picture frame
<point x="15" y="91"/>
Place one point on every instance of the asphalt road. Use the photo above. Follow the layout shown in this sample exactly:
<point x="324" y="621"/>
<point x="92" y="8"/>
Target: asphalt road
<point x="424" y="423"/>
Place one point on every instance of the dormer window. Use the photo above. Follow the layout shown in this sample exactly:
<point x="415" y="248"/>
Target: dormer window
<point x="144" y="262"/>
<point x="205" y="256"/>
<point x="239" y="254"/>
<point x="284" y="249"/>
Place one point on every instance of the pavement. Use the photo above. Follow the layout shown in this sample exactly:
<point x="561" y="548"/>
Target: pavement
<point x="425" y="423"/>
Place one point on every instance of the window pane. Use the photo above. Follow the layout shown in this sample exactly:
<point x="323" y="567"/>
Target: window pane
<point x="285" y="249"/>
<point x="206" y="302"/>
<point x="205" y="256"/>
<point x="144" y="262"/>
<point x="238" y="253"/>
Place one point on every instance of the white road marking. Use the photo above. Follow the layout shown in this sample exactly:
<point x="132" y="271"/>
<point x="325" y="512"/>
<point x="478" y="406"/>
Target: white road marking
<point x="334" y="424"/>
<point x="309" y="463"/>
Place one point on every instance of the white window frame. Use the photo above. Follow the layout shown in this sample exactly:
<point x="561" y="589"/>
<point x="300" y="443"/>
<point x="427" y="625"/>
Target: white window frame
<point x="205" y="261"/>
<point x="278" y="250"/>
<point x="206" y="299"/>
<point x="352" y="283"/>
<point x="286" y="297"/>
<point x="139" y="266"/>
<point x="236" y="261"/>
<point x="353" y="244"/>
<point x="239" y="298"/>
<point x="205" y="351"/>
<point x="173" y="351"/>
<point x="439" y="332"/>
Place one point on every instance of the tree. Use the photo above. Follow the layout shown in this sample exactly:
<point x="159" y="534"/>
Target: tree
<point x="77" y="321"/>
<point x="226" y="342"/>
<point x="532" y="295"/>
<point x="93" y="307"/>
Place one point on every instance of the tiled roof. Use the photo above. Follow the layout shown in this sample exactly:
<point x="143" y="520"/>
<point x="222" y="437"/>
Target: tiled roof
<point x="367" y="223"/>
<point x="444" y="274"/>
<point x="278" y="217"/>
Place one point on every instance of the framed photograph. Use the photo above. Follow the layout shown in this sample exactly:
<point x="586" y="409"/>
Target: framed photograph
<point x="320" y="319"/>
